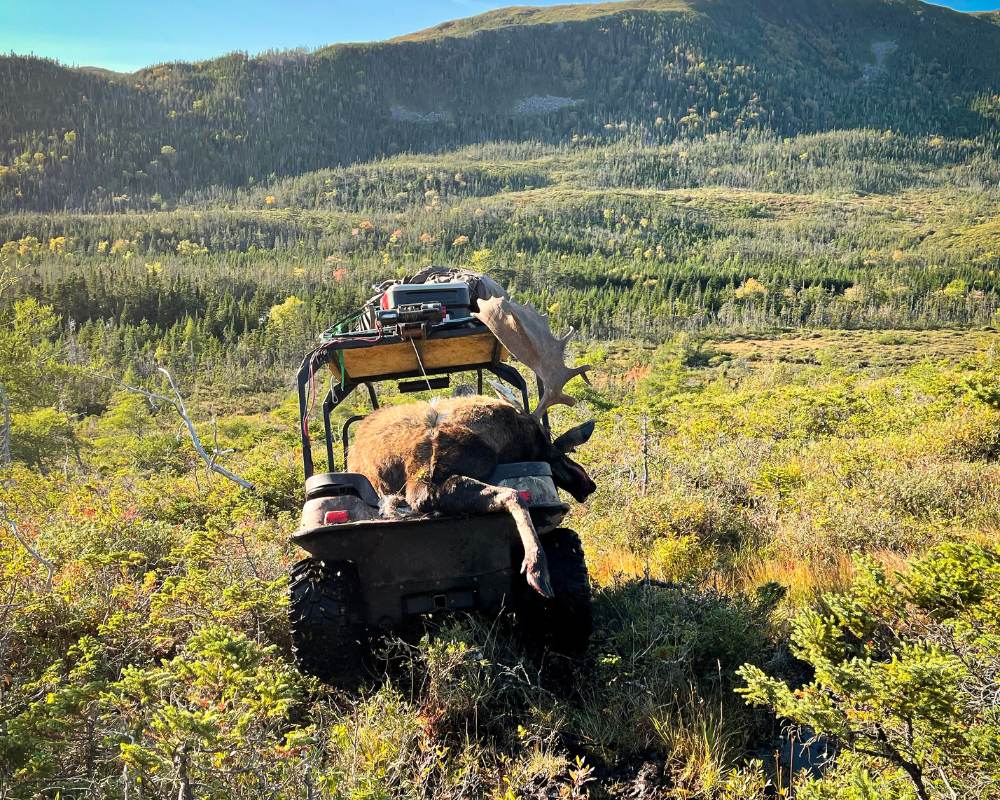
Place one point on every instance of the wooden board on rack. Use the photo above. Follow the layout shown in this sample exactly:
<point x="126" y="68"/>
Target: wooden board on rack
<point x="399" y="357"/>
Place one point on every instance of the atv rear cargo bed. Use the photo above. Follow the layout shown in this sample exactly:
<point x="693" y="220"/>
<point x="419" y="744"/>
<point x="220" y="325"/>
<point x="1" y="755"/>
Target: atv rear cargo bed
<point x="413" y="566"/>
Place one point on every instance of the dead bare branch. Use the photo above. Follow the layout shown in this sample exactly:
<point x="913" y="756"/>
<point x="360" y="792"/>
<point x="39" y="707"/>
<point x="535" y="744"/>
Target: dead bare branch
<point x="50" y="568"/>
<point x="4" y="430"/>
<point x="177" y="401"/>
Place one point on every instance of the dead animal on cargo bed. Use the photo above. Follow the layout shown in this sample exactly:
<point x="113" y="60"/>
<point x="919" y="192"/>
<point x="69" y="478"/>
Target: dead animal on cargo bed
<point x="439" y="456"/>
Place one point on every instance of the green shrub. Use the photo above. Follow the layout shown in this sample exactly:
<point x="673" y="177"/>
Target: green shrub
<point x="905" y="675"/>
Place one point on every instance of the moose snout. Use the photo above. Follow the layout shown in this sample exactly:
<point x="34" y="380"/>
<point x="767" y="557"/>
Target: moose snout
<point x="588" y="488"/>
<point x="571" y="477"/>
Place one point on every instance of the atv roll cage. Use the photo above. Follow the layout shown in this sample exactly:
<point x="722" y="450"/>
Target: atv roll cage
<point x="366" y="358"/>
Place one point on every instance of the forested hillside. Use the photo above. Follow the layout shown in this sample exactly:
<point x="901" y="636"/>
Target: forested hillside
<point x="72" y="139"/>
<point x="859" y="229"/>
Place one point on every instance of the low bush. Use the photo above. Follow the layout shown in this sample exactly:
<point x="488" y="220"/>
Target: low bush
<point x="905" y="680"/>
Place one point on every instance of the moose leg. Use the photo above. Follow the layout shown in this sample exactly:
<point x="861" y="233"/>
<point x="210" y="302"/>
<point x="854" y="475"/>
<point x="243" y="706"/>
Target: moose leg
<point x="461" y="495"/>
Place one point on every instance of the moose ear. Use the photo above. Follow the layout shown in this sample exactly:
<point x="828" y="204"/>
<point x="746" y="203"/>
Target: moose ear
<point x="574" y="437"/>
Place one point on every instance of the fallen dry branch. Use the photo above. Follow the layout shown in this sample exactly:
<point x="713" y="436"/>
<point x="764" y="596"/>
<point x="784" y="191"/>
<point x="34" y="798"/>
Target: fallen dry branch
<point x="50" y="568"/>
<point x="177" y="401"/>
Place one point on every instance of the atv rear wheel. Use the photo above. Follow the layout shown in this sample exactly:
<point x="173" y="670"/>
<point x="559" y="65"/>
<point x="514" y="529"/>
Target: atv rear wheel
<point x="564" y="622"/>
<point x="328" y="634"/>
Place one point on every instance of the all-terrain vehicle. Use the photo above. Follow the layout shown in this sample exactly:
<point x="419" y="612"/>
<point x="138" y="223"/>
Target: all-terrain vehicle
<point x="366" y="574"/>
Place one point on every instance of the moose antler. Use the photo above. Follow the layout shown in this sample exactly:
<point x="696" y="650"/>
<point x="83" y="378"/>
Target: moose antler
<point x="527" y="336"/>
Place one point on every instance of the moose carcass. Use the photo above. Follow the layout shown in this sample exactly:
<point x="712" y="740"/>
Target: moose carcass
<point x="439" y="456"/>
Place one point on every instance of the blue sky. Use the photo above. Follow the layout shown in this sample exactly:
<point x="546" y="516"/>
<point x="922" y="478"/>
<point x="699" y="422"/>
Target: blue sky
<point x="128" y="34"/>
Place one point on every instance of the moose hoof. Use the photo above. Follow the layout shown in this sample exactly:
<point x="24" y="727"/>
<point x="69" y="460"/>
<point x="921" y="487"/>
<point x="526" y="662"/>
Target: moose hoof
<point x="537" y="574"/>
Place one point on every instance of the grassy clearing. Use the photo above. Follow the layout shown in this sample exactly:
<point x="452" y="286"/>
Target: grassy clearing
<point x="860" y="349"/>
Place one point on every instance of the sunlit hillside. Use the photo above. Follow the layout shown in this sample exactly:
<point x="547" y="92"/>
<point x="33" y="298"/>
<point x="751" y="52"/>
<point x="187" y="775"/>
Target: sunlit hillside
<point x="658" y="71"/>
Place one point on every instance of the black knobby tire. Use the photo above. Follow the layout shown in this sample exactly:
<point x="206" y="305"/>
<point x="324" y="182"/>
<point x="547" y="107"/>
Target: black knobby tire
<point x="565" y="622"/>
<point x="328" y="635"/>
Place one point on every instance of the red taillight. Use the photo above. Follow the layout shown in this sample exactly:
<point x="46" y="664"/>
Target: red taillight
<point x="385" y="300"/>
<point x="525" y="496"/>
<point x="335" y="517"/>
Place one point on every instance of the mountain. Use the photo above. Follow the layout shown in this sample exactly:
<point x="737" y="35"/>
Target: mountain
<point x="651" y="69"/>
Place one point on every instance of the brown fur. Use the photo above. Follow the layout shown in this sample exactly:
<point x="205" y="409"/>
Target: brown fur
<point x="429" y="443"/>
<point x="439" y="456"/>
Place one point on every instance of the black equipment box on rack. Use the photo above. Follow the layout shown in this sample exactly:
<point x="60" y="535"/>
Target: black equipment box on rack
<point x="453" y="296"/>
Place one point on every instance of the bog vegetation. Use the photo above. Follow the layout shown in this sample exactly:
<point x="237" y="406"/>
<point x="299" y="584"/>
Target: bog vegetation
<point x="785" y="270"/>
